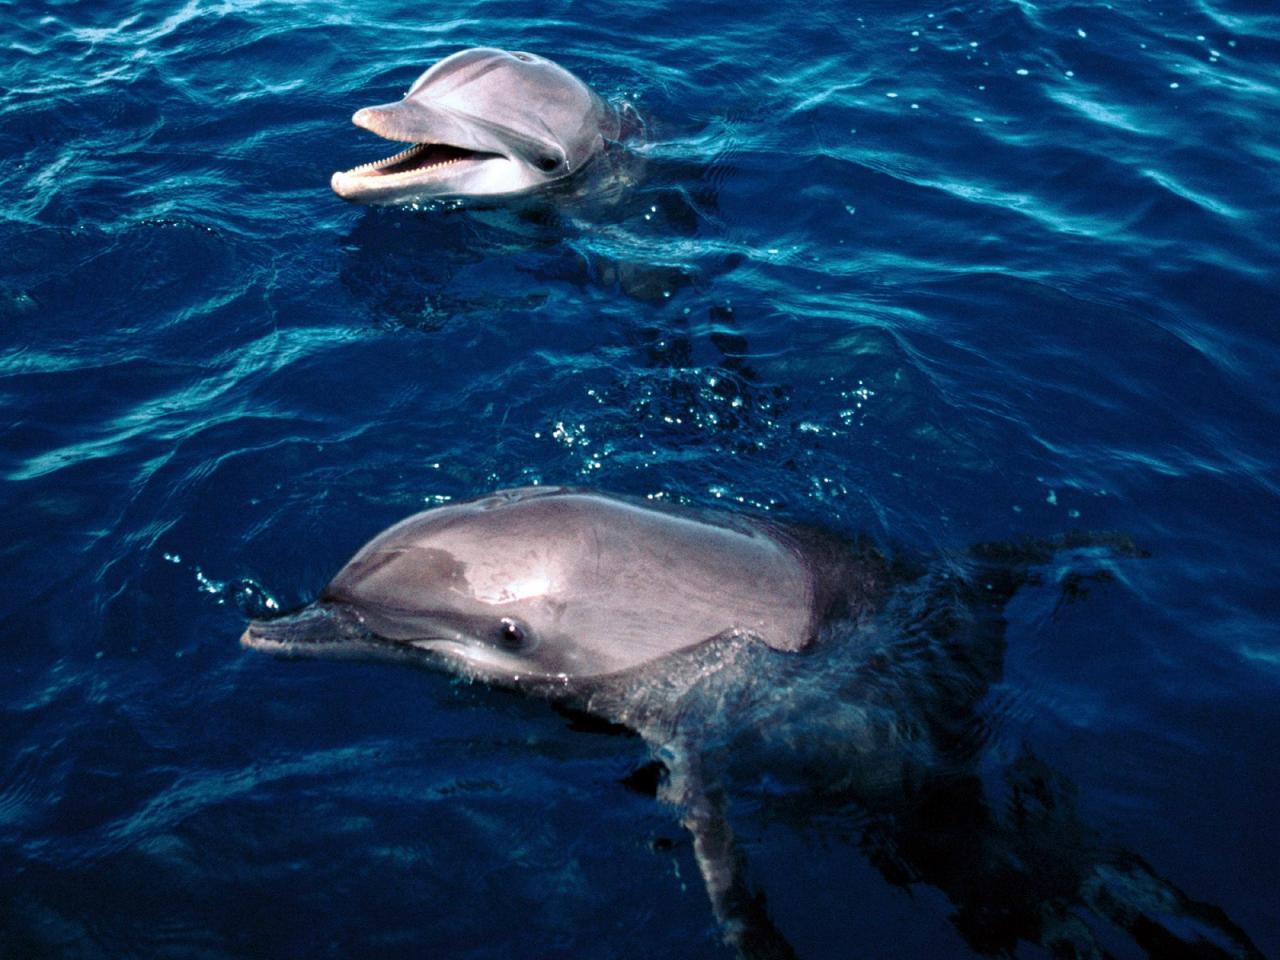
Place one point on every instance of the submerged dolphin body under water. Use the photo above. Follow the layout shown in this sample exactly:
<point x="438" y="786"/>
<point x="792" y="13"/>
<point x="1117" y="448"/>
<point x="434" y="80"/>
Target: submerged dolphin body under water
<point x="758" y="659"/>
<point x="482" y="122"/>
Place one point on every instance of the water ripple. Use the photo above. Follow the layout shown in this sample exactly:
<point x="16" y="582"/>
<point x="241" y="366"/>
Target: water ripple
<point x="944" y="274"/>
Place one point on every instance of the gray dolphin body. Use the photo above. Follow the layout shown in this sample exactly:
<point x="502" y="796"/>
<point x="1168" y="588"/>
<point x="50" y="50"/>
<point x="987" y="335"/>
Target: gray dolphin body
<point x="483" y="122"/>
<point x="801" y="664"/>
<point x="558" y="588"/>
<point x="611" y="606"/>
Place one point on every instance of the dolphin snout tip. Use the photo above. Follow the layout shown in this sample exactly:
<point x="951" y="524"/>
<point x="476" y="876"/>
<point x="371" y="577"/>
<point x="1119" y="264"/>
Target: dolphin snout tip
<point x="257" y="635"/>
<point x="347" y="187"/>
<point x="368" y="118"/>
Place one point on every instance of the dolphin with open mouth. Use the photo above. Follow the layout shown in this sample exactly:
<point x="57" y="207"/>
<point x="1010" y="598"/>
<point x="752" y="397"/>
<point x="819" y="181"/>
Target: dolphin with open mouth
<point x="482" y="122"/>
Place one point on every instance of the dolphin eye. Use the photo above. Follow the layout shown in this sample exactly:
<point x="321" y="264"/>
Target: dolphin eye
<point x="547" y="164"/>
<point x="511" y="634"/>
<point x="523" y="56"/>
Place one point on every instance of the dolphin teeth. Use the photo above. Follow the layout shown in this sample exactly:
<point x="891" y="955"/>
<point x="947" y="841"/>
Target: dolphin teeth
<point x="384" y="166"/>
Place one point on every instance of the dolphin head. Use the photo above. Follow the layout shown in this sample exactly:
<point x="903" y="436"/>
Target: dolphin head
<point x="483" y="122"/>
<point x="548" y="584"/>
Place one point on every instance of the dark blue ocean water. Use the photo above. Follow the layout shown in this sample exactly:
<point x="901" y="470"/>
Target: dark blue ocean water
<point x="941" y="274"/>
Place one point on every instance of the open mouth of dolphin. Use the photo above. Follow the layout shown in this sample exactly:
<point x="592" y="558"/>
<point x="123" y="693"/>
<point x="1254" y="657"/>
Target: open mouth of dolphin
<point x="418" y="159"/>
<point x="446" y="154"/>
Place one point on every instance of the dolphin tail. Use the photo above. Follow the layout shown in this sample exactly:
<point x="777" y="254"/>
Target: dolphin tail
<point x="1160" y="918"/>
<point x="1021" y="865"/>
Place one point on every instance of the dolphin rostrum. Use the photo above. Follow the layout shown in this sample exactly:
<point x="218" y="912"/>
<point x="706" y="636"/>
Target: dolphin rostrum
<point x="483" y="122"/>
<point x="848" y="683"/>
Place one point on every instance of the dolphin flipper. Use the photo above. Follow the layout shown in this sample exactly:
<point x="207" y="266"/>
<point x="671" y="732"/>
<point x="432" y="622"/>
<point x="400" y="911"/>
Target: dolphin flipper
<point x="739" y="910"/>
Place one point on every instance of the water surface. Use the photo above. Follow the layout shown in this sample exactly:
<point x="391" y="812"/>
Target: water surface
<point x="941" y="274"/>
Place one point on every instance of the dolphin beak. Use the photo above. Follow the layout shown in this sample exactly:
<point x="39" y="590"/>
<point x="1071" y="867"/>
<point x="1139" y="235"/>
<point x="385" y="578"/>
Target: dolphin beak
<point x="376" y="119"/>
<point x="412" y="121"/>
<point x="317" y="630"/>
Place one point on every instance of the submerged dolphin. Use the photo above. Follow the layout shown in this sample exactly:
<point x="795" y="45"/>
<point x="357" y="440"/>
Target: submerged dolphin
<point x="483" y="122"/>
<point x="556" y="588"/>
<point x="848" y="679"/>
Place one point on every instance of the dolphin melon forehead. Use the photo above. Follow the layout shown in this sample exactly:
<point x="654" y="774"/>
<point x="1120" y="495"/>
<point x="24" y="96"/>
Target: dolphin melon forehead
<point x="681" y="575"/>
<point x="518" y="91"/>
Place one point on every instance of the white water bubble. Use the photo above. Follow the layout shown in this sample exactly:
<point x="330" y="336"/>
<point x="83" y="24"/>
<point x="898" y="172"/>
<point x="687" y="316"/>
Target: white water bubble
<point x="208" y="585"/>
